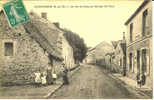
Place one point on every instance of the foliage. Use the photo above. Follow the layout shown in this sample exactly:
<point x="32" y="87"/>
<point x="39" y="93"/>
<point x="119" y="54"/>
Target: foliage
<point x="77" y="43"/>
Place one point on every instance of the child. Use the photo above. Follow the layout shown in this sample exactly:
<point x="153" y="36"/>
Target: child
<point x="43" y="79"/>
<point x="54" y="76"/>
<point x="37" y="78"/>
<point x="138" y="80"/>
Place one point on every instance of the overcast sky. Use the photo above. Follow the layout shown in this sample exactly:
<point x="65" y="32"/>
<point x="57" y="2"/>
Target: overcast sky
<point x="93" y="24"/>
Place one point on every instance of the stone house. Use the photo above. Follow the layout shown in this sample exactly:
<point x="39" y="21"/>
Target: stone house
<point x="108" y="61"/>
<point x="28" y="48"/>
<point x="119" y="59"/>
<point x="67" y="53"/>
<point x="119" y="56"/>
<point x="97" y="54"/>
<point x="139" y="43"/>
<point x="67" y="50"/>
<point x="90" y="57"/>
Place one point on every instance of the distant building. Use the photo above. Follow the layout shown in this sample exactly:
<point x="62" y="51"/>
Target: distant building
<point x="90" y="59"/>
<point x="28" y="48"/>
<point x="109" y="62"/>
<point x="97" y="54"/>
<point x="118" y="60"/>
<point x="120" y="54"/>
<point x="139" y="43"/>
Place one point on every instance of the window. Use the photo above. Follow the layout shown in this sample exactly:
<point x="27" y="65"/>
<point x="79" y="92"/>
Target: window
<point x="44" y="15"/>
<point x="8" y="49"/>
<point x="130" y="62"/>
<point x="131" y="32"/>
<point x="144" y="21"/>
<point x="138" y="61"/>
<point x="144" y="60"/>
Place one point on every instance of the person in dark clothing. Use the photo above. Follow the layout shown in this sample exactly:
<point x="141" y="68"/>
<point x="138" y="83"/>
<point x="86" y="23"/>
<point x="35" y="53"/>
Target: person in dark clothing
<point x="65" y="78"/>
<point x="143" y="79"/>
<point x="138" y="80"/>
<point x="49" y="75"/>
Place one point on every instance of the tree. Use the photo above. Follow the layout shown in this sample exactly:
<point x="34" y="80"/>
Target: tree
<point x="77" y="43"/>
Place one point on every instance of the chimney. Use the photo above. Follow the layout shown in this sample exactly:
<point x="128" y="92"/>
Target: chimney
<point x="123" y="35"/>
<point x="44" y="15"/>
<point x="124" y="39"/>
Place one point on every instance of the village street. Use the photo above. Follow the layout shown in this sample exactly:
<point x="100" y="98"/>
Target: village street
<point x="91" y="82"/>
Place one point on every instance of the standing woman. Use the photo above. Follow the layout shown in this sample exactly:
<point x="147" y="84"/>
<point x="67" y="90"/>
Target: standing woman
<point x="65" y="78"/>
<point x="49" y="75"/>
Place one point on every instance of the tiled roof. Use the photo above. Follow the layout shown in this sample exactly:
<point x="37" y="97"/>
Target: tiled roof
<point x="43" y="31"/>
<point x="46" y="33"/>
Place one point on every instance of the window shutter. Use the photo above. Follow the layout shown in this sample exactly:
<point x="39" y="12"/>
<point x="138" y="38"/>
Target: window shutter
<point x="148" y="62"/>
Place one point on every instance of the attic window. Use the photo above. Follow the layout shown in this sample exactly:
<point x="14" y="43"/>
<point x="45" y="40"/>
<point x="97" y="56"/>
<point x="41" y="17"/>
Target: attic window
<point x="8" y="49"/>
<point x="44" y="15"/>
<point x="19" y="34"/>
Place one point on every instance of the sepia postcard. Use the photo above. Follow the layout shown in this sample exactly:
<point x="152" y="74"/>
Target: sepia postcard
<point x="76" y="49"/>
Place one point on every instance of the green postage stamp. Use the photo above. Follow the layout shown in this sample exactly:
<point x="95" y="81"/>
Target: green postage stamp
<point x="15" y="12"/>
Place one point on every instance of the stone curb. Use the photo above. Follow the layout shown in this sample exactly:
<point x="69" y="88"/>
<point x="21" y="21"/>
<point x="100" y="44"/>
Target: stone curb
<point x="51" y="93"/>
<point x="73" y="72"/>
<point x="128" y="86"/>
<point x="138" y="91"/>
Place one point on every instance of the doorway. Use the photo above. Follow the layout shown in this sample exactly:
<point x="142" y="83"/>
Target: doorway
<point x="144" y="61"/>
<point x="130" y="62"/>
<point x="138" y="61"/>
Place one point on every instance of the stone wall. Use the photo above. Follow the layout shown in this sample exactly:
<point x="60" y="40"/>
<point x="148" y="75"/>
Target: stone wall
<point x="28" y="56"/>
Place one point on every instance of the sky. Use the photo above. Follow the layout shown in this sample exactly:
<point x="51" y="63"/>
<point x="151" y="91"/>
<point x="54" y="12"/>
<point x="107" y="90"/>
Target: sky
<point x="94" y="25"/>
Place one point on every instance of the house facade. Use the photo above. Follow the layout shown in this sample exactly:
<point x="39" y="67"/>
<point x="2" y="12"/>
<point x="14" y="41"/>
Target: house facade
<point x="26" y="49"/>
<point x="90" y="57"/>
<point x="139" y="43"/>
<point x="118" y="59"/>
<point x="67" y="50"/>
<point x="67" y="53"/>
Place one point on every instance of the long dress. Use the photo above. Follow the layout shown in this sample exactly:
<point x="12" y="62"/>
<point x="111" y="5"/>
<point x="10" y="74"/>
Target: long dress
<point x="65" y="77"/>
<point x="49" y="77"/>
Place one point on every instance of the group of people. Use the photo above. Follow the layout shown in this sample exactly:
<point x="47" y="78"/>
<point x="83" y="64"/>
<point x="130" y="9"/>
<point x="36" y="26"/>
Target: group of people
<point x="49" y="76"/>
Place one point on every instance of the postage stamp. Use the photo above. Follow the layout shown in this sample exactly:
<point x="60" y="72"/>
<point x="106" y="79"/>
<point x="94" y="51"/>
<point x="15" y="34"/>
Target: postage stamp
<point x="15" y="12"/>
